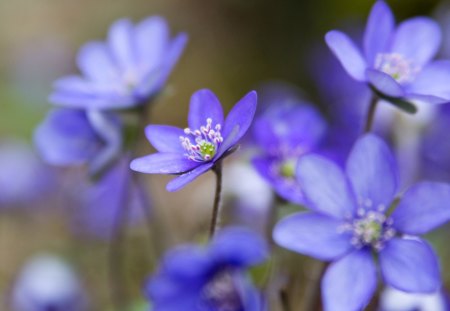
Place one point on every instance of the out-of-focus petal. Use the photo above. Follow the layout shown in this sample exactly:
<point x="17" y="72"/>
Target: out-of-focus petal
<point x="434" y="80"/>
<point x="384" y="83"/>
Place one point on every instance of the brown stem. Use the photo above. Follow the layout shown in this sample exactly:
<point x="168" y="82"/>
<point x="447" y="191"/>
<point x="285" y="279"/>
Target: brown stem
<point x="371" y="113"/>
<point x="312" y="295"/>
<point x="215" y="219"/>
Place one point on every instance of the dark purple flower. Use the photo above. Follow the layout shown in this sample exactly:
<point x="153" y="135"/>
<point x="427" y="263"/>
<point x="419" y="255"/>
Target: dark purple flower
<point x="351" y="220"/>
<point x="210" y="278"/>
<point x="196" y="149"/>
<point x="396" y="62"/>
<point x="126" y="70"/>
<point x="73" y="137"/>
<point x="284" y="132"/>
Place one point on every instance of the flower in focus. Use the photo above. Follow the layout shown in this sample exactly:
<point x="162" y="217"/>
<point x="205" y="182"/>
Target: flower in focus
<point x="284" y="132"/>
<point x="74" y="137"/>
<point x="213" y="278"/>
<point x="396" y="62"/>
<point x="47" y="283"/>
<point x="196" y="149"/>
<point x="351" y="220"/>
<point x="126" y="70"/>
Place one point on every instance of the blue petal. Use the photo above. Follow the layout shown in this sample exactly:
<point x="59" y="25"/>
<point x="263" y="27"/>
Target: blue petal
<point x="165" y="138"/>
<point x="312" y="234"/>
<point x="384" y="83"/>
<point x="325" y="186"/>
<point x="417" y="39"/>
<point x="424" y="207"/>
<point x="238" y="121"/>
<point x="433" y="80"/>
<point x="380" y="26"/>
<point x="372" y="171"/>
<point x="96" y="64"/>
<point x="239" y="247"/>
<point x="410" y="265"/>
<point x="204" y="104"/>
<point x="349" y="284"/>
<point x="183" y="180"/>
<point x="66" y="137"/>
<point x="121" y="44"/>
<point x="163" y="163"/>
<point x="347" y="53"/>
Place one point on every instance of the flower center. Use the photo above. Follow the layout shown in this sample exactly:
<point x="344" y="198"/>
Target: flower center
<point x="397" y="66"/>
<point x="287" y="168"/>
<point x="221" y="293"/>
<point x="206" y="142"/>
<point x="369" y="228"/>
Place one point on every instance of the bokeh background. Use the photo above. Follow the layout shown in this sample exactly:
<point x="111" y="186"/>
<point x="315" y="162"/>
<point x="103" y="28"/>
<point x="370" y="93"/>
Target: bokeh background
<point x="234" y="46"/>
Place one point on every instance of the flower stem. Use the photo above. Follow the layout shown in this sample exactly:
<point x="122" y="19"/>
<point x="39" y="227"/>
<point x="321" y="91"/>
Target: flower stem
<point x="371" y="113"/>
<point x="215" y="219"/>
<point x="312" y="300"/>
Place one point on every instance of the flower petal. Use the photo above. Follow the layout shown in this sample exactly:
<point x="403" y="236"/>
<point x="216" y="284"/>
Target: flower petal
<point x="204" y="104"/>
<point x="380" y="26"/>
<point x="151" y="39"/>
<point x="238" y="120"/>
<point x="325" y="186"/>
<point x="120" y="40"/>
<point x="95" y="63"/>
<point x="165" y="138"/>
<point x="384" y="83"/>
<point x="163" y="163"/>
<point x="433" y="80"/>
<point x="410" y="265"/>
<point x="347" y="53"/>
<point x="183" y="180"/>
<point x="349" y="284"/>
<point x="417" y="39"/>
<point x="372" y="171"/>
<point x="424" y="207"/>
<point x="239" y="247"/>
<point x="312" y="234"/>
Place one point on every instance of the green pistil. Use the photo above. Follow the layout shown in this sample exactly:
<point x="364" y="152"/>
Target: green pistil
<point x="372" y="231"/>
<point x="287" y="168"/>
<point x="208" y="150"/>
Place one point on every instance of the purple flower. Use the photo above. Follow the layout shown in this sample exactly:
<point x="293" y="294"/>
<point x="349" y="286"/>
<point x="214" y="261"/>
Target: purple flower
<point x="285" y="132"/>
<point x="196" y="149"/>
<point x="396" y="62"/>
<point x="195" y="278"/>
<point x="351" y="220"/>
<point x="127" y="70"/>
<point x="395" y="300"/>
<point x="73" y="137"/>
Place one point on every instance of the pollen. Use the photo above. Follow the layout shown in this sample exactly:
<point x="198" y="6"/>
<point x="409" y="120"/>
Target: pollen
<point x="397" y="66"/>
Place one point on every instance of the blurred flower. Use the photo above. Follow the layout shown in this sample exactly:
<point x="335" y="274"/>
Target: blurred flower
<point x="47" y="283"/>
<point x="23" y="176"/>
<point x="127" y="70"/>
<point x="395" y="300"/>
<point x="284" y="132"/>
<point x="396" y="62"/>
<point x="350" y="220"/>
<point x="73" y="137"/>
<point x="100" y="202"/>
<point x="196" y="149"/>
<point x="213" y="278"/>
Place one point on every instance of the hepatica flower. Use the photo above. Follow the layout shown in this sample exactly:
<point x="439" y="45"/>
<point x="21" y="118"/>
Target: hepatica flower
<point x="396" y="61"/>
<point x="350" y="222"/>
<point x="196" y="149"/>
<point x="126" y="70"/>
<point x="283" y="133"/>
<point x="195" y="278"/>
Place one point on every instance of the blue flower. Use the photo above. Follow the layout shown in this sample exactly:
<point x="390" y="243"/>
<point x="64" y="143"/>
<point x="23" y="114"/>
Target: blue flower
<point x="396" y="62"/>
<point x="127" y="70"/>
<point x="210" y="279"/>
<point x="74" y="137"/>
<point x="196" y="149"/>
<point x="351" y="220"/>
<point x="285" y="132"/>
